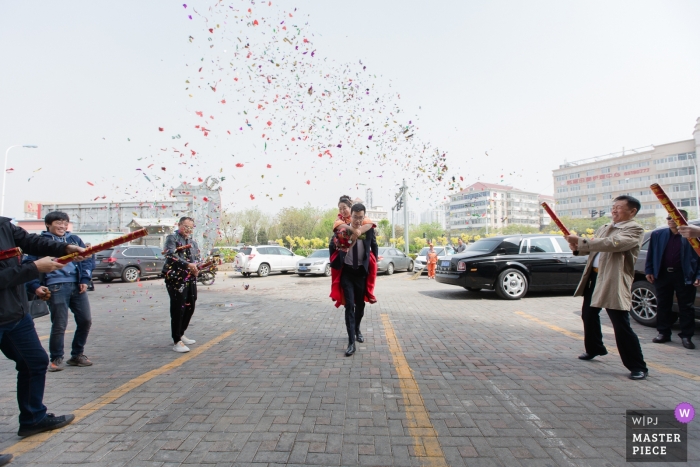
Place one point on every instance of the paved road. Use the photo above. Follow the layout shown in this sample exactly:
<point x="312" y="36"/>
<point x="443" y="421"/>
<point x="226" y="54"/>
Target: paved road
<point x="445" y="377"/>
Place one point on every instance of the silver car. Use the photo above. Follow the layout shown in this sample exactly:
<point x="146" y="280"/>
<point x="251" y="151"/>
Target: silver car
<point x="318" y="262"/>
<point x="393" y="260"/>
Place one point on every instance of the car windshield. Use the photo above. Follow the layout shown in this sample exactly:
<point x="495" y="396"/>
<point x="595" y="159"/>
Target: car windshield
<point x="425" y="250"/>
<point x="487" y="244"/>
<point x="246" y="251"/>
<point x="320" y="254"/>
<point x="104" y="254"/>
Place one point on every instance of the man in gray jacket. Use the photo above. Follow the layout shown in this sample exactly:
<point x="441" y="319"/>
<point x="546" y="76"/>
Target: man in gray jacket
<point x="607" y="283"/>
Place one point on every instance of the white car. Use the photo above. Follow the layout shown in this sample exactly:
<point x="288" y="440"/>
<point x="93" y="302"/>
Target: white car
<point x="318" y="262"/>
<point x="264" y="259"/>
<point x="422" y="258"/>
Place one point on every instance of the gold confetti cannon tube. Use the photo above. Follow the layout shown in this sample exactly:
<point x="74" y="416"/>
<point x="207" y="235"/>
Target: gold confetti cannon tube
<point x="104" y="246"/>
<point x="673" y="212"/>
<point x="11" y="253"/>
<point x="556" y="219"/>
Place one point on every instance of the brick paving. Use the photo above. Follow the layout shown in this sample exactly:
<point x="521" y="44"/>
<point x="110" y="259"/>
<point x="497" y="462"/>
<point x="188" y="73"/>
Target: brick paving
<point x="500" y="389"/>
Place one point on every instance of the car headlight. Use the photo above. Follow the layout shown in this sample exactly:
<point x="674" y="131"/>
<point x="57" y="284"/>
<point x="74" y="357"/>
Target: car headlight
<point x="461" y="266"/>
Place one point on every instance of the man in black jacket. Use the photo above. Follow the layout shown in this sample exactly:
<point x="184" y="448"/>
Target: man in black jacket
<point x="18" y="339"/>
<point x="355" y="266"/>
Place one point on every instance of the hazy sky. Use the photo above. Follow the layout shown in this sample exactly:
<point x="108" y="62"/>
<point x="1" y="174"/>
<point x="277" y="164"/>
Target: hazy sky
<point x="531" y="83"/>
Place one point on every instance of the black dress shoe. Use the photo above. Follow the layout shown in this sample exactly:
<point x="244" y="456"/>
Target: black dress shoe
<point x="687" y="343"/>
<point x="50" y="422"/>
<point x="638" y="375"/>
<point x="587" y="356"/>
<point x="5" y="458"/>
<point x="359" y="337"/>
<point x="660" y="339"/>
<point x="351" y="350"/>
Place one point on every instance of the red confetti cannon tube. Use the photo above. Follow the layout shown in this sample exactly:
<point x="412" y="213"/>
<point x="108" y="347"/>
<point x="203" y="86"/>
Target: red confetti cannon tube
<point x="556" y="219"/>
<point x="11" y="253"/>
<point x="673" y="212"/>
<point x="183" y="247"/>
<point x="104" y="246"/>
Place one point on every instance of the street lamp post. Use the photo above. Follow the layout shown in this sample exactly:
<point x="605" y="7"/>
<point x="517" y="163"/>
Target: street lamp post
<point x="4" y="173"/>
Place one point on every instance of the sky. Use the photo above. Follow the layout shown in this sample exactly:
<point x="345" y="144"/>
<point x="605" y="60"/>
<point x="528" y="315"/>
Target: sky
<point x="501" y="92"/>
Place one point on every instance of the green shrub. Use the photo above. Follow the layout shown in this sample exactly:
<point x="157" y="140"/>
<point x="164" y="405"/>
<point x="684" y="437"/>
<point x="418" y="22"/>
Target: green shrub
<point x="303" y="251"/>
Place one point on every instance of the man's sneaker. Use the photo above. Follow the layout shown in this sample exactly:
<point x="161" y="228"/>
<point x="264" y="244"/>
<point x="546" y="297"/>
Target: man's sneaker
<point x="180" y="347"/>
<point x="50" y="422"/>
<point x="80" y="360"/>
<point x="56" y="365"/>
<point x="187" y="341"/>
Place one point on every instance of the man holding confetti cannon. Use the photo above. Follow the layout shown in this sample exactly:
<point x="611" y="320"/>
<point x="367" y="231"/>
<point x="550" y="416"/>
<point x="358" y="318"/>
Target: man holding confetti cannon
<point x="607" y="282"/>
<point x="67" y="289"/>
<point x="180" y="273"/>
<point x="18" y="339"/>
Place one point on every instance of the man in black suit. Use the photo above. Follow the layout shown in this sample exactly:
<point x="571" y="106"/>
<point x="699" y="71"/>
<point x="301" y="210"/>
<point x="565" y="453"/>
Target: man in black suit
<point x="355" y="266"/>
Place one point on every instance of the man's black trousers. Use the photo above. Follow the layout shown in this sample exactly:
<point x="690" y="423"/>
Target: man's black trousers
<point x="627" y="341"/>
<point x="354" y="283"/>
<point x="181" y="307"/>
<point x="666" y="284"/>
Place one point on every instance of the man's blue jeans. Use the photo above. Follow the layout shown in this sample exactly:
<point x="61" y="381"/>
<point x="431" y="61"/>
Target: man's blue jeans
<point x="19" y="342"/>
<point x="65" y="296"/>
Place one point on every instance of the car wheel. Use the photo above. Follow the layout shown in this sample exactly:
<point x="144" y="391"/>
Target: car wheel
<point x="327" y="271"/>
<point x="390" y="269"/>
<point x="263" y="270"/>
<point x="246" y="274"/>
<point x="644" y="303"/>
<point x="301" y="274"/>
<point x="410" y="267"/>
<point x="106" y="279"/>
<point x="130" y="274"/>
<point x="473" y="289"/>
<point x="511" y="284"/>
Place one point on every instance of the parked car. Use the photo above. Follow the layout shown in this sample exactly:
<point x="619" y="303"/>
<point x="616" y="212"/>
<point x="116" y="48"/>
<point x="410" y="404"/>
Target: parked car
<point x="644" y="293"/>
<point x="264" y="259"/>
<point x="422" y="258"/>
<point x="318" y="262"/>
<point x="128" y="263"/>
<point x="514" y="264"/>
<point x="392" y="260"/>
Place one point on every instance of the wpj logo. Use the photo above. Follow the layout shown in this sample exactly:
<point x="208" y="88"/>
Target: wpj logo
<point x="658" y="435"/>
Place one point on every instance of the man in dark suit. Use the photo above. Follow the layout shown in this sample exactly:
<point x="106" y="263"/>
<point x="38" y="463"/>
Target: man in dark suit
<point x="672" y="265"/>
<point x="355" y="266"/>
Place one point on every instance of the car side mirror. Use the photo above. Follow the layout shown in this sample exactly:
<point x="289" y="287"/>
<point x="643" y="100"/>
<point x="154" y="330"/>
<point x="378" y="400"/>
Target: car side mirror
<point x="501" y="251"/>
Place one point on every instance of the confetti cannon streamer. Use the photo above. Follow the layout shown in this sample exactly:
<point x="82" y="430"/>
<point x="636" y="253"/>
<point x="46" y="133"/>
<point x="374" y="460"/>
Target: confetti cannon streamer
<point x="556" y="219"/>
<point x="104" y="246"/>
<point x="11" y="253"/>
<point x="673" y="212"/>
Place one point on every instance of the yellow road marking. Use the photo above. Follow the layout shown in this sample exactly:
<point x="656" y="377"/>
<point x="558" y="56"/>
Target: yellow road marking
<point x="656" y="366"/>
<point x="425" y="440"/>
<point x="43" y="338"/>
<point x="35" y="441"/>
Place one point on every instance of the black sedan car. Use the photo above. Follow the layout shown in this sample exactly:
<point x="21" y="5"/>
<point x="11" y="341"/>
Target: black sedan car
<point x="644" y="293"/>
<point x="513" y="264"/>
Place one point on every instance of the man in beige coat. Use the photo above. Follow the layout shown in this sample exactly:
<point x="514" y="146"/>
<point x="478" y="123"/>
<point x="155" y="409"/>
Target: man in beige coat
<point x="607" y="283"/>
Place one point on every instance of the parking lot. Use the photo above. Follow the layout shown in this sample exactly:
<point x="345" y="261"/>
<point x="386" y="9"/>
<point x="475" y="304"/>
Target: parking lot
<point x="444" y="377"/>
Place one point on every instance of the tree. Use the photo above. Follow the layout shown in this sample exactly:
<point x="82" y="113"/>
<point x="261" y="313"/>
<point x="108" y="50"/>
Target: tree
<point x="262" y="236"/>
<point x="428" y="231"/>
<point x="248" y="235"/>
<point x="231" y="228"/>
<point x="384" y="230"/>
<point x="298" y="222"/>
<point x="324" y="227"/>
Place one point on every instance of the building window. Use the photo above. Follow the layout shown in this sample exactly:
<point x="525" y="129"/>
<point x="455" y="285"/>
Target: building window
<point x="684" y="187"/>
<point x="562" y="189"/>
<point x="605" y="170"/>
<point x="561" y="178"/>
<point x="591" y="198"/>
<point x="590" y="185"/>
<point x="575" y="187"/>
<point x="634" y="165"/>
<point x="576" y="212"/>
<point x="684" y="202"/>
<point x="574" y="176"/>
<point x="606" y="183"/>
<point x="589" y="173"/>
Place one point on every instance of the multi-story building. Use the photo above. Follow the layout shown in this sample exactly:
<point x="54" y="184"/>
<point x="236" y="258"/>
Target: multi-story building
<point x="492" y="206"/>
<point x="435" y="215"/>
<point x="586" y="188"/>
<point x="376" y="213"/>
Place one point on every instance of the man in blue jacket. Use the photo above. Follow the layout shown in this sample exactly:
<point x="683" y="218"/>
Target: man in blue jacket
<point x="67" y="287"/>
<point x="672" y="266"/>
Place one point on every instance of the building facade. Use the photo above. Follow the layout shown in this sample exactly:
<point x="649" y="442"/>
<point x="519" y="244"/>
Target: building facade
<point x="587" y="187"/>
<point x="492" y="206"/>
<point x="436" y="215"/>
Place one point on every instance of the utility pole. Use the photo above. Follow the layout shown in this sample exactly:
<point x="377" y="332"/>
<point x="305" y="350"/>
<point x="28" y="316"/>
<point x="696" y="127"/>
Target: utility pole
<point x="393" y="227"/>
<point x="405" y="216"/>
